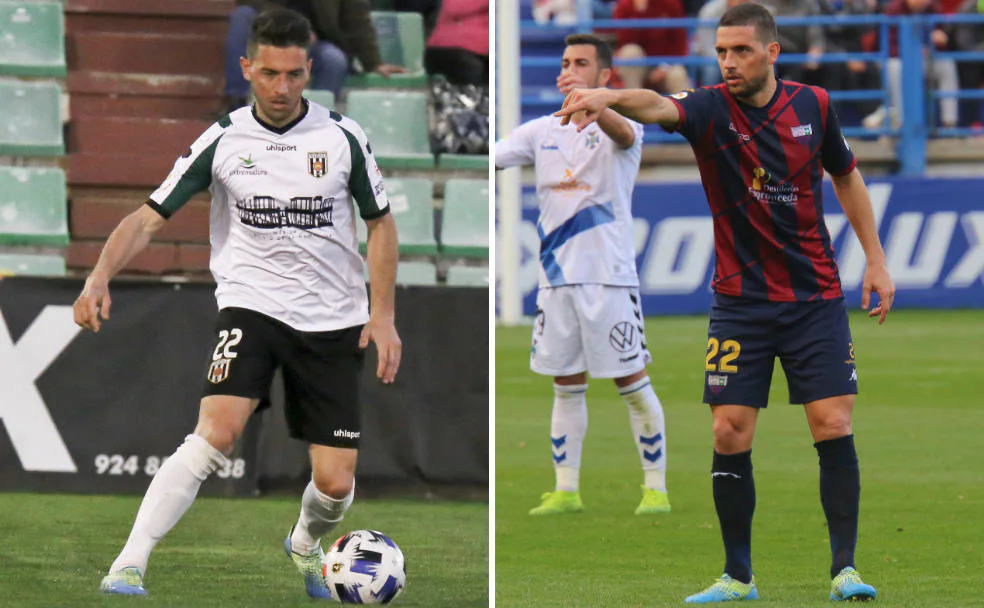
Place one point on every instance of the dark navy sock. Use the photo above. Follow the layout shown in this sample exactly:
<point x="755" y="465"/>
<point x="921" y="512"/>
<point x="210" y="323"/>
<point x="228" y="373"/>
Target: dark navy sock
<point x="734" y="499"/>
<point x="840" y="493"/>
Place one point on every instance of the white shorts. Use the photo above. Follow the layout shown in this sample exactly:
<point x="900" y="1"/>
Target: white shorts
<point x="593" y="328"/>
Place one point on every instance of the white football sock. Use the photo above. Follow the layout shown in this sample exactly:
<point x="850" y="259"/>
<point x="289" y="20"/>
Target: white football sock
<point x="648" y="432"/>
<point x="568" y="426"/>
<point x="171" y="492"/>
<point x="320" y="514"/>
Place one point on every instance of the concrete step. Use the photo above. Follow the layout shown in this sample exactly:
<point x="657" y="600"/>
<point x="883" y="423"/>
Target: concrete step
<point x="95" y="212"/>
<point x="181" y="8"/>
<point x="156" y="259"/>
<point x="134" y="169"/>
<point x="143" y="53"/>
<point x="136" y="136"/>
<point x="144" y="95"/>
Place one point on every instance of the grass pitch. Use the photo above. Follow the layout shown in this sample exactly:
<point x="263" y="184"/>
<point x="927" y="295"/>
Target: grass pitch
<point x="54" y="549"/>
<point x="919" y="430"/>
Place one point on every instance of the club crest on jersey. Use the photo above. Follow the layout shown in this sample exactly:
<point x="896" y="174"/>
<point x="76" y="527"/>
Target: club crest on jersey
<point x="592" y="140"/>
<point x="219" y="370"/>
<point x="317" y="162"/>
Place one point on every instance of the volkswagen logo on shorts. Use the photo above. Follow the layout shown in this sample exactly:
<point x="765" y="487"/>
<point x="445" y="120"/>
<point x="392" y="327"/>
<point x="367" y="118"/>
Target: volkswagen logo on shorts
<point x="622" y="337"/>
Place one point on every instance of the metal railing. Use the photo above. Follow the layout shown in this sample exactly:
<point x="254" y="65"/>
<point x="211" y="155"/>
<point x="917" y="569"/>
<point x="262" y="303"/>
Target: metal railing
<point x="918" y="100"/>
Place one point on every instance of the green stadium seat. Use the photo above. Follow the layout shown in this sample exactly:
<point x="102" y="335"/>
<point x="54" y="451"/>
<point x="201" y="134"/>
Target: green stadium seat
<point x="468" y="276"/>
<point x="401" y="42"/>
<point x="463" y="162"/>
<point x="465" y="227"/>
<point x="32" y="39"/>
<point x="31" y="124"/>
<point x="412" y="205"/>
<point x="416" y="273"/>
<point x="412" y="273"/>
<point x="31" y="264"/>
<point x="33" y="207"/>
<point x="397" y="127"/>
<point x="322" y="97"/>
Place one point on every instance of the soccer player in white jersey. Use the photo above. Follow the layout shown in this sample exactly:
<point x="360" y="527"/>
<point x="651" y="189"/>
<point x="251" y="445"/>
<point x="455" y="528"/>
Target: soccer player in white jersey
<point x="589" y="315"/>
<point x="283" y="175"/>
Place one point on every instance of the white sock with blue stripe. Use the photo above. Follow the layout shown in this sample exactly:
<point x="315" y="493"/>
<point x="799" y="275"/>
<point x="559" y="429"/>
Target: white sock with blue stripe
<point x="568" y="426"/>
<point x="648" y="432"/>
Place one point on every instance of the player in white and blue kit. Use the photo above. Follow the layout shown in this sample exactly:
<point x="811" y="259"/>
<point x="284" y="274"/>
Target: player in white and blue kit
<point x="589" y="315"/>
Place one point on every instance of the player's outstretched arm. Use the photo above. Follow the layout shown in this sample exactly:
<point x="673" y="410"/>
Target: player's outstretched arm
<point x="854" y="199"/>
<point x="383" y="253"/>
<point x="584" y="106"/>
<point x="127" y="240"/>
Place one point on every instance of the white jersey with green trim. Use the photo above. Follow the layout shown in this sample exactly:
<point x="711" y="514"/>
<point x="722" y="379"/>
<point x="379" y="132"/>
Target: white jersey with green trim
<point x="282" y="226"/>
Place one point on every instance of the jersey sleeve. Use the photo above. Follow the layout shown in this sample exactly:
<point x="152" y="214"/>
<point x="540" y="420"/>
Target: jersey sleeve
<point x="696" y="109"/>
<point x="191" y="174"/>
<point x="519" y="148"/>
<point x="836" y="155"/>
<point x="365" y="179"/>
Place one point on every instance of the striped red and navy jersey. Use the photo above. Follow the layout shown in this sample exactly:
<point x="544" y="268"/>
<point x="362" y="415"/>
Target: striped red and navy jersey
<point x="762" y="170"/>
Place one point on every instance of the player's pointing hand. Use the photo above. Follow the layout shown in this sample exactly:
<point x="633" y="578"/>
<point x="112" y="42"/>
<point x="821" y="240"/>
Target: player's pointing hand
<point x="389" y="348"/>
<point x="584" y="106"/>
<point x="877" y="279"/>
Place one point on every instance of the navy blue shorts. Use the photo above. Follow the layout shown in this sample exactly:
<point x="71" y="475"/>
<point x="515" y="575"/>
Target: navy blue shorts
<point x="811" y="339"/>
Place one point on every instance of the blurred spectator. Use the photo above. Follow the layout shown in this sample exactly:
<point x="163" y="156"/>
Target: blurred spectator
<point x="705" y="40"/>
<point x="459" y="46"/>
<point x="602" y="9"/>
<point x="428" y="9"/>
<point x="692" y="7"/>
<point x="853" y="75"/>
<point x="560" y="12"/>
<point x="651" y="42"/>
<point x="970" y="37"/>
<point x="797" y="40"/>
<point x="343" y="30"/>
<point x="943" y="71"/>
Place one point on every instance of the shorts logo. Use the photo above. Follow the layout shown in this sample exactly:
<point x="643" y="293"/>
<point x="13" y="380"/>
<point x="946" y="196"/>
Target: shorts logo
<point x="622" y="337"/>
<point x="219" y="370"/>
<point x="854" y="376"/>
<point x="316" y="163"/>
<point x="716" y="383"/>
<point x="541" y="318"/>
<point x="347" y="434"/>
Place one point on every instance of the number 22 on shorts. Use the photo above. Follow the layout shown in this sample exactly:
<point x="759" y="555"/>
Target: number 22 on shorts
<point x="726" y="363"/>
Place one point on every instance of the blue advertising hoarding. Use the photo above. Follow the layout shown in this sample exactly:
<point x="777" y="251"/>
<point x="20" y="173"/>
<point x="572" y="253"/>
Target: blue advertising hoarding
<point x="932" y="231"/>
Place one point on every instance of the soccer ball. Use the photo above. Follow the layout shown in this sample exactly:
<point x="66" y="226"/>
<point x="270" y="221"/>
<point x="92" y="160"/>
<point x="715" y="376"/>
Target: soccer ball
<point x="365" y="567"/>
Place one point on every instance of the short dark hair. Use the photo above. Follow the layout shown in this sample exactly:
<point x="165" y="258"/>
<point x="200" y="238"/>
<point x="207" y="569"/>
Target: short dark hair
<point x="601" y="46"/>
<point x="755" y="15"/>
<point x="279" y="27"/>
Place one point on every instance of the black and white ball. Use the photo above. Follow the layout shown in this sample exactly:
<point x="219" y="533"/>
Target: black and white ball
<point x="365" y="567"/>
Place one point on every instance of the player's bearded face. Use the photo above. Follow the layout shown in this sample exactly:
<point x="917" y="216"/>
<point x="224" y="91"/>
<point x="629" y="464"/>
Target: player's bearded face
<point x="746" y="63"/>
<point x="278" y="76"/>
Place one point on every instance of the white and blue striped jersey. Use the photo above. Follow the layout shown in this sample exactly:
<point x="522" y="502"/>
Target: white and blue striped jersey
<point x="584" y="184"/>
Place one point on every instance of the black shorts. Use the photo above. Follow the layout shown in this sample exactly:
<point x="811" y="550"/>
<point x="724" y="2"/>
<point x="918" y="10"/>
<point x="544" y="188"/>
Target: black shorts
<point x="812" y="340"/>
<point x="321" y="373"/>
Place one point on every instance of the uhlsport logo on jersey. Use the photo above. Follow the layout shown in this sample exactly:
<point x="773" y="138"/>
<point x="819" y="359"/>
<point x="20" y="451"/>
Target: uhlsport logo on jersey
<point x="316" y="163"/>
<point x="622" y="337"/>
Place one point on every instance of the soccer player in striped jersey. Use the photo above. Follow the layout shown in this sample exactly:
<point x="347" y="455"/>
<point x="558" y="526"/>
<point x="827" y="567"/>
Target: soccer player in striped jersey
<point x="762" y="146"/>
<point x="287" y="178"/>
<point x="589" y="315"/>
